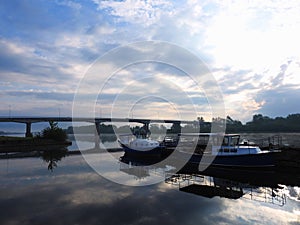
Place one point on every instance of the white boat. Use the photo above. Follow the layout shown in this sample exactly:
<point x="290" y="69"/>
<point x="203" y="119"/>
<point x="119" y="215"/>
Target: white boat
<point x="140" y="146"/>
<point x="232" y="153"/>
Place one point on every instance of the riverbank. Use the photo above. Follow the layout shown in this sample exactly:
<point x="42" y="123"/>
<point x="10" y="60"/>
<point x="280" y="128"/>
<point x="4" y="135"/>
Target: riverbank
<point x="29" y="144"/>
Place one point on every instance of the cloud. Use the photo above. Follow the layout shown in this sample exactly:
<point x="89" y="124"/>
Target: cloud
<point x="49" y="46"/>
<point x="16" y="58"/>
<point x="143" y="12"/>
<point x="240" y="37"/>
<point x="59" y="96"/>
<point x="247" y="92"/>
<point x="279" y="101"/>
<point x="69" y="3"/>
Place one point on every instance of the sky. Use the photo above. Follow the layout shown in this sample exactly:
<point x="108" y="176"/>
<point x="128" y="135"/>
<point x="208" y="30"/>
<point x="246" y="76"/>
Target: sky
<point x="48" y="49"/>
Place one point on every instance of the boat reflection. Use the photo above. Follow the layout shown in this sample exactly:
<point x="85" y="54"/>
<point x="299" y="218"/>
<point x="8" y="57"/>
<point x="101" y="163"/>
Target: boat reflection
<point x="140" y="168"/>
<point x="210" y="187"/>
<point x="264" y="186"/>
<point x="136" y="171"/>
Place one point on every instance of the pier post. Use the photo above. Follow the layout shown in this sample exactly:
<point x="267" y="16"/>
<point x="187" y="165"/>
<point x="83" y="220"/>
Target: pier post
<point x="97" y="135"/>
<point x="28" y="130"/>
<point x="145" y="129"/>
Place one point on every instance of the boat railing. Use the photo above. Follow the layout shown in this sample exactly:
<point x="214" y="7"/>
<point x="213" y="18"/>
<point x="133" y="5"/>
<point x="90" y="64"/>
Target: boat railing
<point x="270" y="143"/>
<point x="183" y="179"/>
<point x="274" y="196"/>
<point x="228" y="188"/>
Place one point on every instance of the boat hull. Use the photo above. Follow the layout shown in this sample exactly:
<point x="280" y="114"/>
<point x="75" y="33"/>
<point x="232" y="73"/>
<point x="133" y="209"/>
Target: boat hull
<point x="155" y="152"/>
<point x="262" y="160"/>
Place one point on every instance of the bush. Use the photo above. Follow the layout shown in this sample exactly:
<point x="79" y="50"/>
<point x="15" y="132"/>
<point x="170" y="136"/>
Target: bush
<point x="54" y="133"/>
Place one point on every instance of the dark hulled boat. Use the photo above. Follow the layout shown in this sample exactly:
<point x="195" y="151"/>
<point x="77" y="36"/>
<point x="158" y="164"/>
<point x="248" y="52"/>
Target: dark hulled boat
<point x="232" y="153"/>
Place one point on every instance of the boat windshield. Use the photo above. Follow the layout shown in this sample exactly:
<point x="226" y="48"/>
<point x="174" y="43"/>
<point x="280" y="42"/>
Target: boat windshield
<point x="235" y="140"/>
<point x="231" y="140"/>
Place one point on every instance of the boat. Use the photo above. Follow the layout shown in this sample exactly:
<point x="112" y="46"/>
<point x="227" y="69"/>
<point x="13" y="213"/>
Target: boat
<point x="231" y="153"/>
<point x="170" y="141"/>
<point x="141" y="146"/>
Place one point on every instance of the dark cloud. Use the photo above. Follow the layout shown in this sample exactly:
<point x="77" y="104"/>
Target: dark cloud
<point x="10" y="61"/>
<point x="30" y="64"/>
<point x="279" y="101"/>
<point x="234" y="82"/>
<point x="43" y="95"/>
<point x="277" y="81"/>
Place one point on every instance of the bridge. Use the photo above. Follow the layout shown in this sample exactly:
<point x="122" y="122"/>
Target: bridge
<point x="97" y="121"/>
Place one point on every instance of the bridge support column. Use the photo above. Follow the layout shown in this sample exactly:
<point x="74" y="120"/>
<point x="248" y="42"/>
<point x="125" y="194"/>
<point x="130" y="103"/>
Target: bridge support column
<point x="176" y="127"/>
<point x="147" y="126"/>
<point x="28" y="130"/>
<point x="97" y="135"/>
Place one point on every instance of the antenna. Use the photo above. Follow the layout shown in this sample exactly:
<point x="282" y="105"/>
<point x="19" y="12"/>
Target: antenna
<point x="9" y="111"/>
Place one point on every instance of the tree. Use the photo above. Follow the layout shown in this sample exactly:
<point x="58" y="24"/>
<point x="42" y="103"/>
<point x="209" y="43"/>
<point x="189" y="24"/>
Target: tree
<point x="257" y="118"/>
<point x="54" y="132"/>
<point x="200" y="119"/>
<point x="53" y="157"/>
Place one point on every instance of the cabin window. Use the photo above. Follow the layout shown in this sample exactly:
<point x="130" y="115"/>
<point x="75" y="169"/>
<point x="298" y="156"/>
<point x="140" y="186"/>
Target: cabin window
<point x="226" y="150"/>
<point x="225" y="141"/>
<point x="216" y="140"/>
<point x="235" y="140"/>
<point x="233" y="150"/>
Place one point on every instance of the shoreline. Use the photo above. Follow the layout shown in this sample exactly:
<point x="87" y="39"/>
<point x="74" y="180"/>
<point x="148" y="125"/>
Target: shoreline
<point x="23" y="144"/>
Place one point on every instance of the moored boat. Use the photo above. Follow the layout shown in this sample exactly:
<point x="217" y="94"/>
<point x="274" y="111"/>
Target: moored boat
<point x="141" y="147"/>
<point x="232" y="153"/>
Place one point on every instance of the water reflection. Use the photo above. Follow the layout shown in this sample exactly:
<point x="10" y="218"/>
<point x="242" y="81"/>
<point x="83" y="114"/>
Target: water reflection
<point x="212" y="186"/>
<point x="267" y="186"/>
<point x="75" y="194"/>
<point x="52" y="157"/>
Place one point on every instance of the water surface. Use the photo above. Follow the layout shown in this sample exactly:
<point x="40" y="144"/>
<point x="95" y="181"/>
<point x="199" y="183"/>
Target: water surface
<point x="72" y="193"/>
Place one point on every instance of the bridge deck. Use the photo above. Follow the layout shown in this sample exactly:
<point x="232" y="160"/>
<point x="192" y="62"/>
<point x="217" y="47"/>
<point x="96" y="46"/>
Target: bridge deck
<point x="90" y="120"/>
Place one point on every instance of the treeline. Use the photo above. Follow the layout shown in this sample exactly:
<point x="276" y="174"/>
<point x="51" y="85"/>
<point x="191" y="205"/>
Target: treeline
<point x="259" y="123"/>
<point x="89" y="129"/>
<point x="111" y="129"/>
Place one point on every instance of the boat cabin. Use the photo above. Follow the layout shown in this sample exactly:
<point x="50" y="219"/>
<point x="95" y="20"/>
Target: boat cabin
<point x="222" y="144"/>
<point x="231" y="146"/>
<point x="143" y="144"/>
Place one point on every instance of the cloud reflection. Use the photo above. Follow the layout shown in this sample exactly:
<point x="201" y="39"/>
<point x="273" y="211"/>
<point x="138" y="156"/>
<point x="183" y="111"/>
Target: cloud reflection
<point x="74" y="194"/>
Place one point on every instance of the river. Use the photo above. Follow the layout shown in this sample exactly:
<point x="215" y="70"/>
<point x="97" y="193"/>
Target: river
<point x="72" y="192"/>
